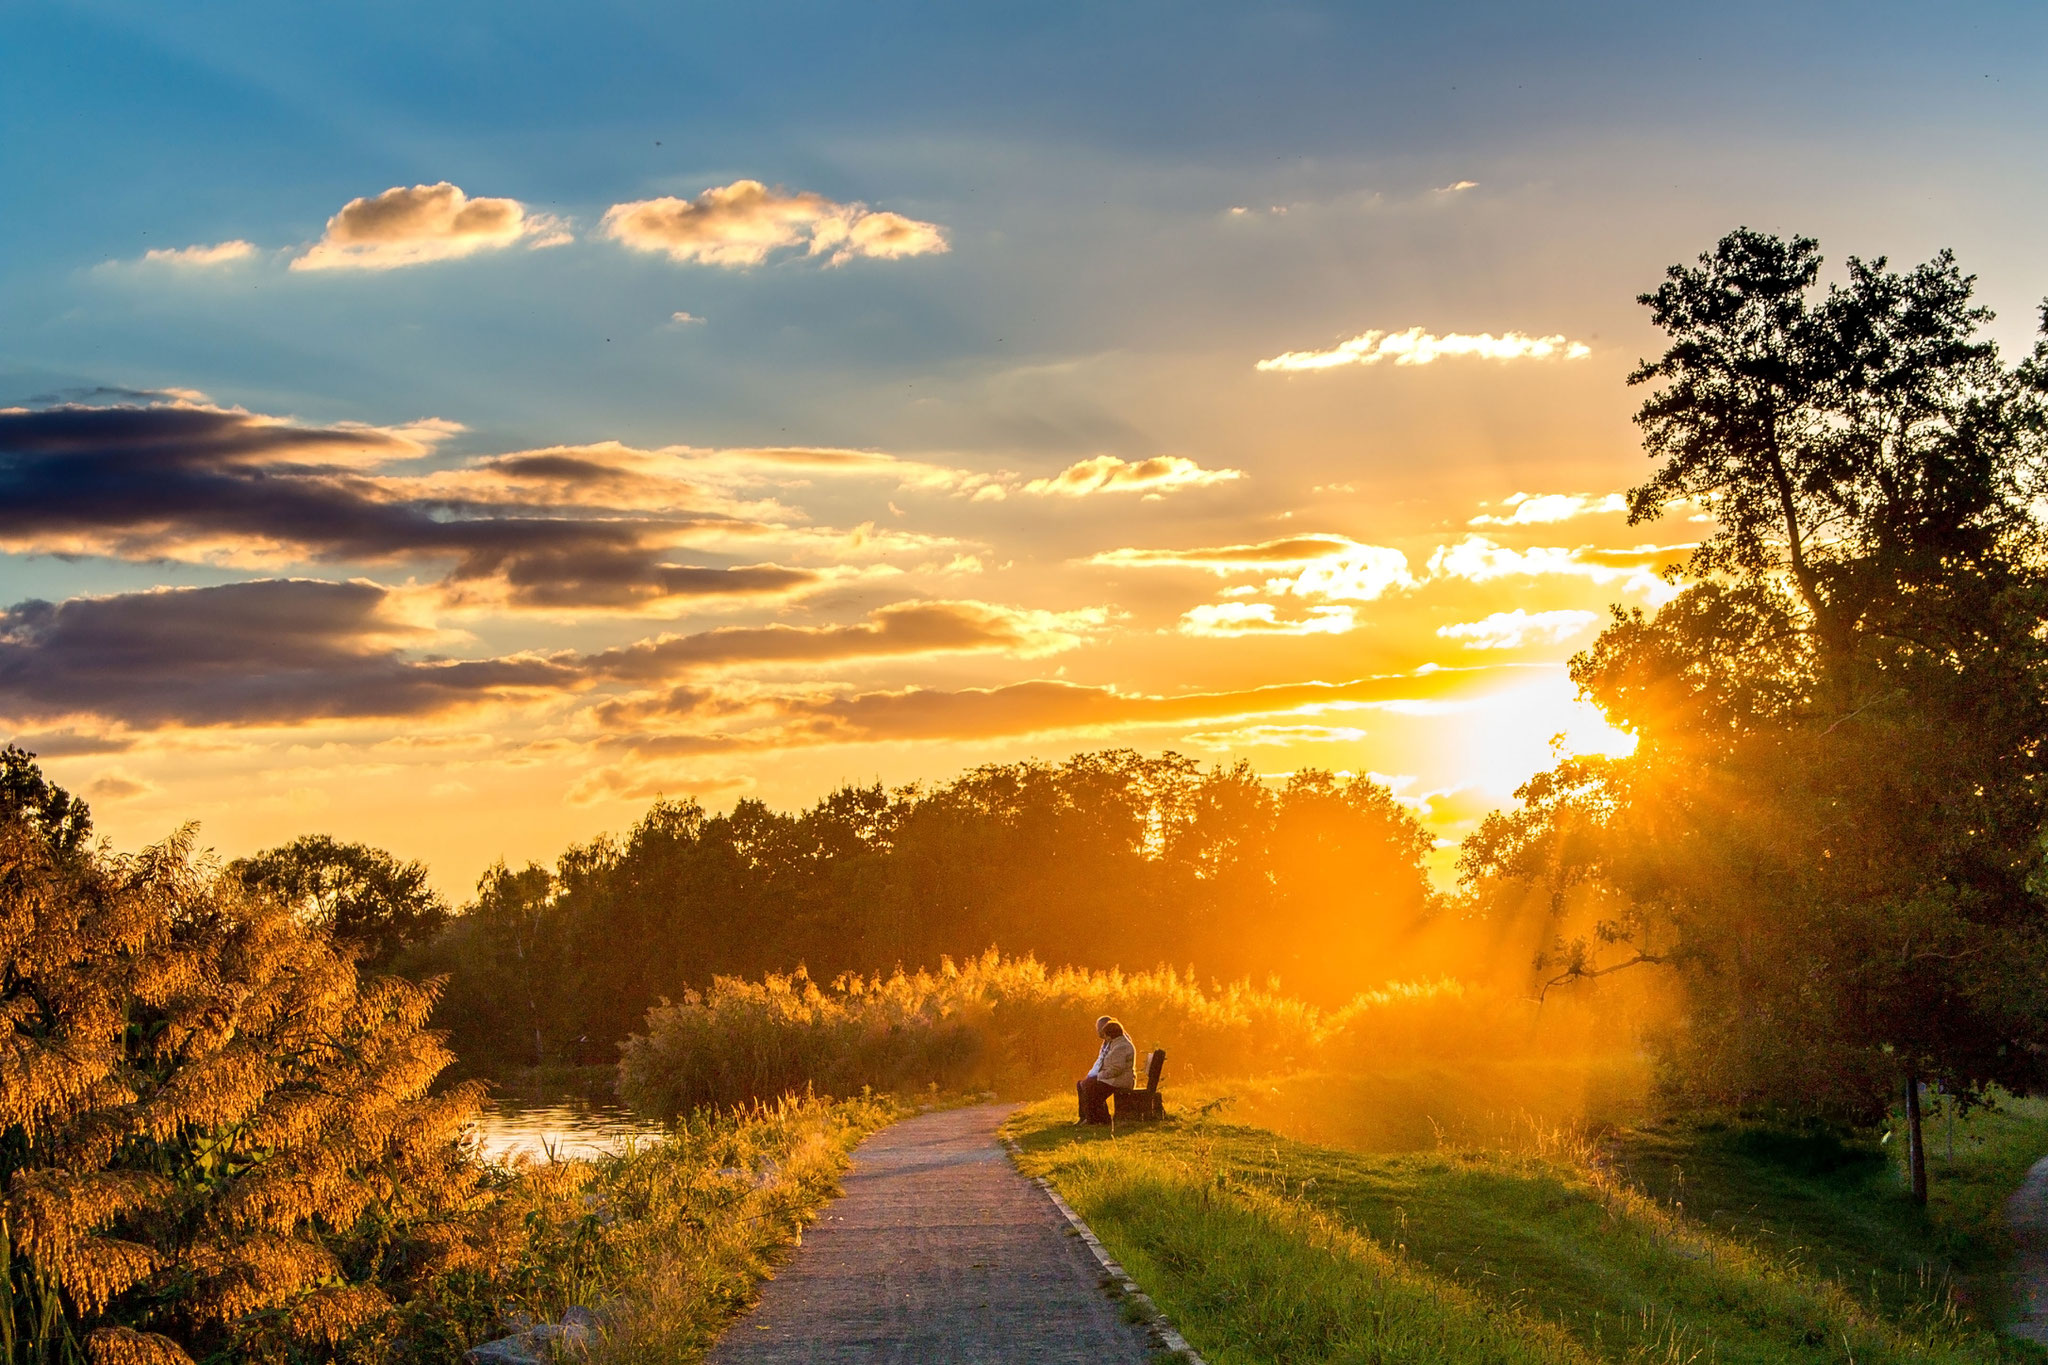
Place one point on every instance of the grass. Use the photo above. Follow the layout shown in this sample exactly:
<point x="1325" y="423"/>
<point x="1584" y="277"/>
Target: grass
<point x="669" y="1241"/>
<point x="1667" y="1243"/>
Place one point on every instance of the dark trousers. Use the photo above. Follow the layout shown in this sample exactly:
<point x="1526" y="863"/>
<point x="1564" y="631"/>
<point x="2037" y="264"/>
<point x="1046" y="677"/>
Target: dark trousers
<point x="1094" y="1099"/>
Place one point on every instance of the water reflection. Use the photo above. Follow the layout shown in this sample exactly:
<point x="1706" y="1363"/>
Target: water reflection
<point x="563" y="1127"/>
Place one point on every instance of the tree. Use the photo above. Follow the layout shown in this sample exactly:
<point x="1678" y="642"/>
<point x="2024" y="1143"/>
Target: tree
<point x="216" y="1140"/>
<point x="360" y="895"/>
<point x="1832" y="822"/>
<point x="27" y="797"/>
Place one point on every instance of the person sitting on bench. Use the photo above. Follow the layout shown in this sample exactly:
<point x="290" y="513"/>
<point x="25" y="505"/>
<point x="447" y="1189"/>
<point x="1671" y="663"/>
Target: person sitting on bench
<point x="1115" y="1069"/>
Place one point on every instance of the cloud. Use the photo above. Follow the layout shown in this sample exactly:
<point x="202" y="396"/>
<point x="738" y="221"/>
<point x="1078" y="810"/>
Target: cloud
<point x="1274" y="736"/>
<point x="1457" y="187"/>
<point x="1108" y="474"/>
<point x="271" y="651"/>
<point x="116" y="784"/>
<point x="1228" y="620"/>
<point x="1479" y="559"/>
<point x="1531" y="509"/>
<point x="682" y="318"/>
<point x="294" y="651"/>
<point x="1513" y="629"/>
<point x="1264" y="556"/>
<point x="1326" y="567"/>
<point x="1417" y="347"/>
<point x="220" y="253"/>
<point x="1047" y="706"/>
<point x="743" y="223"/>
<point x="899" y="630"/>
<point x="593" y="527"/>
<point x="402" y="227"/>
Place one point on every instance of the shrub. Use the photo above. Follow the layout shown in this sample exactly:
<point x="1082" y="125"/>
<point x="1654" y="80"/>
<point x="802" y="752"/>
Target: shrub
<point x="1019" y="1027"/>
<point x="215" y="1139"/>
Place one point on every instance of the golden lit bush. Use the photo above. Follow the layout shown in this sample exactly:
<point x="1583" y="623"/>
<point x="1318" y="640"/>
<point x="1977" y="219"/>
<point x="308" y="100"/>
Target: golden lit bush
<point x="1019" y="1027"/>
<point x="214" y="1137"/>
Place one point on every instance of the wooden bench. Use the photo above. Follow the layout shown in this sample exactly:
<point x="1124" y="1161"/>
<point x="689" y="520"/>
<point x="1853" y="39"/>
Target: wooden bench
<point x="1143" y="1106"/>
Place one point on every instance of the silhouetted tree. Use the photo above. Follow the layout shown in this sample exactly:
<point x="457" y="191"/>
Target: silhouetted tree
<point x="360" y="895"/>
<point x="1832" y="821"/>
<point x="26" y="796"/>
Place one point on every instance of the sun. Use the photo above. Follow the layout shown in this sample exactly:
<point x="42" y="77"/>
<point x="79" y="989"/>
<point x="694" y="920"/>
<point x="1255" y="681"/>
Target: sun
<point x="1511" y="734"/>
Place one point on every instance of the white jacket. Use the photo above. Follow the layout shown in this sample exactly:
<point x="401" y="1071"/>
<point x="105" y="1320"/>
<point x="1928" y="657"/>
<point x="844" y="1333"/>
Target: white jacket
<point x="1117" y="1063"/>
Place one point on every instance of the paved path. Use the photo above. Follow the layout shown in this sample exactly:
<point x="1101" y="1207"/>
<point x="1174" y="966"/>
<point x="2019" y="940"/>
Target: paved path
<point x="2026" y="1213"/>
<point x="939" y="1253"/>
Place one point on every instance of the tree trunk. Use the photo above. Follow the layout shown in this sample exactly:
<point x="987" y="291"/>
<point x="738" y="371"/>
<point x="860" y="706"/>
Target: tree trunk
<point x="1916" y="1147"/>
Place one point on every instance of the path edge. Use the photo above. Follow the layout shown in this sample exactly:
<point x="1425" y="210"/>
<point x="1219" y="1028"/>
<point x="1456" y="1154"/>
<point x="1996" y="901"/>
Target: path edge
<point x="1154" y="1320"/>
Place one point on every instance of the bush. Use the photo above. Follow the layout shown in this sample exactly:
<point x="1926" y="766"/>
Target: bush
<point x="1019" y="1027"/>
<point x="215" y="1139"/>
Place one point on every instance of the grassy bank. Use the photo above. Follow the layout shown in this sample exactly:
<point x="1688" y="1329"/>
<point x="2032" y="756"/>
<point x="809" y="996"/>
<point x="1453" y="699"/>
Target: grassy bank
<point x="1659" y="1244"/>
<point x="669" y="1240"/>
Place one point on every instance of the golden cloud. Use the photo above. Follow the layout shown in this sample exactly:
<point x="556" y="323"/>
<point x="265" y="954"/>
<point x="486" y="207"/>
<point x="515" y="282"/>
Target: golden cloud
<point x="1229" y="620"/>
<point x="1264" y="556"/>
<point x="402" y="227"/>
<point x="220" y="253"/>
<point x="744" y="223"/>
<point x="1531" y="509"/>
<point x="898" y="630"/>
<point x="1108" y="474"/>
<point x="1417" y="347"/>
<point x="1479" y="559"/>
<point x="1513" y="629"/>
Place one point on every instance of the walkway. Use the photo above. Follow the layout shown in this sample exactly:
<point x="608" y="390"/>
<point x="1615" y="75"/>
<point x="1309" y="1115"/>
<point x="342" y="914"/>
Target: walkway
<point x="2026" y="1213"/>
<point x="942" y="1254"/>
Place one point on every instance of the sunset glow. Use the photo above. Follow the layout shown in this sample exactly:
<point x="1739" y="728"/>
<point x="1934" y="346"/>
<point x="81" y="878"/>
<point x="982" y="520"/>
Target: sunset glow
<point x="457" y="463"/>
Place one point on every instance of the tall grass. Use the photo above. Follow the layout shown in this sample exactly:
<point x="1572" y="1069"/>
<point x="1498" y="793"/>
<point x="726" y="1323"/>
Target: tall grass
<point x="1019" y="1027"/>
<point x="1009" y="1024"/>
<point x="666" y="1241"/>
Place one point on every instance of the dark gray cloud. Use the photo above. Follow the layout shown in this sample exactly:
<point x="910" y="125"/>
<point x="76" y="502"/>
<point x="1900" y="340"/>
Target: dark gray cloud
<point x="148" y="482"/>
<point x="901" y="629"/>
<point x="290" y="651"/>
<point x="272" y="651"/>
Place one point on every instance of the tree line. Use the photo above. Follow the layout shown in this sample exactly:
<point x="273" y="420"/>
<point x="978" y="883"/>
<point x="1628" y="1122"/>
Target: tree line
<point x="1109" y="859"/>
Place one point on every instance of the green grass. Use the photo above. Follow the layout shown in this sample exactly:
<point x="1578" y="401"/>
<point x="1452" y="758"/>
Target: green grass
<point x="1657" y="1244"/>
<point x="669" y="1241"/>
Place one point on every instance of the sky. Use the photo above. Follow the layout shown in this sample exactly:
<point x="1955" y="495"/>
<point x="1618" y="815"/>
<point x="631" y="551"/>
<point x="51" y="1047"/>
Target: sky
<point x="454" y="427"/>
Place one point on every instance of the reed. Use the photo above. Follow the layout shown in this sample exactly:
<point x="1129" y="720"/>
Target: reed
<point x="1018" y="1027"/>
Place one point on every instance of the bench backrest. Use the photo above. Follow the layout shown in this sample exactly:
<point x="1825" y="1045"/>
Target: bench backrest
<point x="1153" y="1067"/>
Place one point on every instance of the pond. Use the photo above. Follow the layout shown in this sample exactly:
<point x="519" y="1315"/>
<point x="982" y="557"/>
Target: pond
<point x="561" y="1126"/>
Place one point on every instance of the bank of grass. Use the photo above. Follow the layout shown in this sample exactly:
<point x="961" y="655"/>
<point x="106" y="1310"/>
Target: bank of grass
<point x="1657" y="1244"/>
<point x="669" y="1240"/>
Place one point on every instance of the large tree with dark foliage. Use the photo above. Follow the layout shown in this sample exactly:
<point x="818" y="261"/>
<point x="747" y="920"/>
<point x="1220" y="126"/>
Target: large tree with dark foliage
<point x="363" y="897"/>
<point x="1833" y="822"/>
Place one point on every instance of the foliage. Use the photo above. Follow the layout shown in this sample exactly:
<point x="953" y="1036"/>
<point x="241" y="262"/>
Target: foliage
<point x="667" y="1240"/>
<point x="358" y="895"/>
<point x="1107" y="859"/>
<point x="26" y="796"/>
<point x="215" y="1139"/>
<point x="1832" y="821"/>
<point x="1020" y="1028"/>
<point x="218" y="1142"/>
<point x="1265" y="1249"/>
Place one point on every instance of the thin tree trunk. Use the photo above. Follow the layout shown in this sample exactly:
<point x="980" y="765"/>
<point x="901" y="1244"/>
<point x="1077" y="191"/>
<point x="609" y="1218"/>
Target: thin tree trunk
<point x="1916" y="1149"/>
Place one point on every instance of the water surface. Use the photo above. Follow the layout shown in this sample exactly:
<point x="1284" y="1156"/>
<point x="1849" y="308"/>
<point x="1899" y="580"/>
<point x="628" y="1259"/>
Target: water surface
<point x="565" y="1126"/>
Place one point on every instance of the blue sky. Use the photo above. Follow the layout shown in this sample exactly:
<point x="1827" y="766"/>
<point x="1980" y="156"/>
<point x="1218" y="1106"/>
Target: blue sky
<point x="1136" y="202"/>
